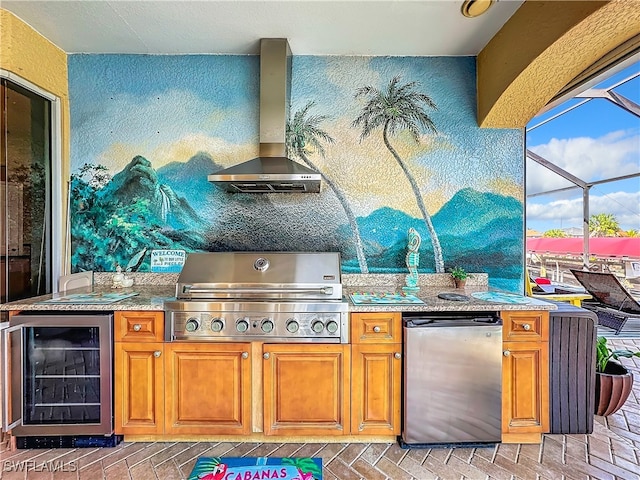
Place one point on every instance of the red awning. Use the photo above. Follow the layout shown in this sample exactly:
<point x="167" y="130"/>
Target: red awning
<point x="598" y="246"/>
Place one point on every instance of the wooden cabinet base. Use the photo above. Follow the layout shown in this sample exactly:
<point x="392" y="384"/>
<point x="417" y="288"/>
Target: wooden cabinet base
<point x="521" y="438"/>
<point x="330" y="393"/>
<point x="376" y="373"/>
<point x="525" y="376"/>
<point x="261" y="438"/>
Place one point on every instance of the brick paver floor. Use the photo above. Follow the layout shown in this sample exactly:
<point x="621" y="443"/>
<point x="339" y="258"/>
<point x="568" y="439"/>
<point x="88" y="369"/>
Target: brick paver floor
<point x="612" y="451"/>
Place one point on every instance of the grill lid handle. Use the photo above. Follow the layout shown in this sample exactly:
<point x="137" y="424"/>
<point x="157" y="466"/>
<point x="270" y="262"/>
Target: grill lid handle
<point x="322" y="290"/>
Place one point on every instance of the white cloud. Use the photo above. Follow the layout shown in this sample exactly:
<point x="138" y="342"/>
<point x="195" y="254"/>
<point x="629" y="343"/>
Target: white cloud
<point x="625" y="206"/>
<point x="589" y="159"/>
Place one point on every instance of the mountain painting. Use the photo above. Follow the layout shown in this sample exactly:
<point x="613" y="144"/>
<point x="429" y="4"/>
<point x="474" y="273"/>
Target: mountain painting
<point x="395" y="140"/>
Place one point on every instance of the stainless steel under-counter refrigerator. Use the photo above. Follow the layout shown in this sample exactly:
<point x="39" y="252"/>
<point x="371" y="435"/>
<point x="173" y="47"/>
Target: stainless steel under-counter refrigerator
<point x="59" y="369"/>
<point x="452" y="379"/>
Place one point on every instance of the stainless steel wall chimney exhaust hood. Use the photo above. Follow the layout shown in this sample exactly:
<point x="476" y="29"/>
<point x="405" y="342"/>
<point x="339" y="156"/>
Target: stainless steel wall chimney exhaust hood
<point x="272" y="171"/>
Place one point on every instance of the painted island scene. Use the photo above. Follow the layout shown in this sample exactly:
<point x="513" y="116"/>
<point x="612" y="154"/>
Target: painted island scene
<point x="395" y="140"/>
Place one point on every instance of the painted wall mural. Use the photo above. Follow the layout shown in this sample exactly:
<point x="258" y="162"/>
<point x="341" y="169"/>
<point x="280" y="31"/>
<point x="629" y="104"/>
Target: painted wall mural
<point x="395" y="139"/>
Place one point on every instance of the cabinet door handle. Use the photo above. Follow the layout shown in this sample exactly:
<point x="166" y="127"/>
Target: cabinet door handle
<point x="245" y="354"/>
<point x="506" y="353"/>
<point x="137" y="327"/>
<point x="397" y="355"/>
<point x="157" y="353"/>
<point x="526" y="326"/>
<point x="376" y="329"/>
<point x="266" y="356"/>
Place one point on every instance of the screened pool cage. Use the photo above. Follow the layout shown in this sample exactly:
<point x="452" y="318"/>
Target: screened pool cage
<point x="565" y="180"/>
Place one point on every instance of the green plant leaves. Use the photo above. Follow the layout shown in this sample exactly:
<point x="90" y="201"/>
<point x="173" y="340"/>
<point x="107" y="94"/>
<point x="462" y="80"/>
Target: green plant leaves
<point x="604" y="354"/>
<point x="459" y="273"/>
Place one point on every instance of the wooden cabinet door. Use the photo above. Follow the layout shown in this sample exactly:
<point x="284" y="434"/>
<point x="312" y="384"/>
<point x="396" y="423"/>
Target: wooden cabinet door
<point x="208" y="388"/>
<point x="376" y="372"/>
<point x="138" y="388"/>
<point x="306" y="389"/>
<point x="525" y="399"/>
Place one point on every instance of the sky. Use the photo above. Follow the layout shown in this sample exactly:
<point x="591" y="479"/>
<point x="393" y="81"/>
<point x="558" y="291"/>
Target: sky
<point x="594" y="141"/>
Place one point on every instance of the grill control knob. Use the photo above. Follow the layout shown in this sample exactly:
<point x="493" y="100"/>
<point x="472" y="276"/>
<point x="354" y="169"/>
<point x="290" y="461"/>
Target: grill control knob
<point x="292" y="326"/>
<point x="261" y="264"/>
<point x="267" y="325"/>
<point x="317" y="326"/>
<point x="332" y="326"/>
<point x="192" y="325"/>
<point x="216" y="324"/>
<point x="242" y="325"/>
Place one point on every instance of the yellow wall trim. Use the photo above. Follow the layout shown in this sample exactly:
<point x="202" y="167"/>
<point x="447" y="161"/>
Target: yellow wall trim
<point x="542" y="47"/>
<point x="28" y="55"/>
<point x="31" y="56"/>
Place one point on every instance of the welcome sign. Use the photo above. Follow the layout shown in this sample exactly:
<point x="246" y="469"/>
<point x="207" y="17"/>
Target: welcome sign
<point x="167" y="261"/>
<point x="257" y="468"/>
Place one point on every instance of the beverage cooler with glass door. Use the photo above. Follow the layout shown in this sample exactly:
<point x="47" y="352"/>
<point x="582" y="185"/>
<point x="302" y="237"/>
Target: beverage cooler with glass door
<point x="58" y="370"/>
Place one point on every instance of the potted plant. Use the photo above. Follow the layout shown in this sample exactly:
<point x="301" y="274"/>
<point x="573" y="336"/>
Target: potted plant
<point x="613" y="380"/>
<point x="459" y="276"/>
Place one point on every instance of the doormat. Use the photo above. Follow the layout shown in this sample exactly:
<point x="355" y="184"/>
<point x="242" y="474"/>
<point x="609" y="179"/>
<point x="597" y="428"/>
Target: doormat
<point x="257" y="468"/>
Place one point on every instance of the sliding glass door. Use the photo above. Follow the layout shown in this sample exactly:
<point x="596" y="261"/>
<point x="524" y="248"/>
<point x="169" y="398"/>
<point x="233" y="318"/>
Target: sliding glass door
<point x="25" y="193"/>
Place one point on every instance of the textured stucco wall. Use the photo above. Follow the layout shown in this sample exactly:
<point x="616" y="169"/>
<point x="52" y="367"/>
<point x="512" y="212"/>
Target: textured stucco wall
<point x="153" y="142"/>
<point x="541" y="49"/>
<point x="31" y="56"/>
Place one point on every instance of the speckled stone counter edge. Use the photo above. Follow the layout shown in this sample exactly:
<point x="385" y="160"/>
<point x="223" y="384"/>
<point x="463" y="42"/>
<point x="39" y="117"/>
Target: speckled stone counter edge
<point x="391" y="281"/>
<point x="139" y="278"/>
<point x="396" y="281"/>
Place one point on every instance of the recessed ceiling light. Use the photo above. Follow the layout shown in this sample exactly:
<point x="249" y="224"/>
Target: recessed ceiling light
<point x="475" y="8"/>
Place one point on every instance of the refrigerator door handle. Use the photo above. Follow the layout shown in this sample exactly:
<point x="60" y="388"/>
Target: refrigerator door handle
<point x="11" y="377"/>
<point x="419" y="322"/>
<point x="4" y="375"/>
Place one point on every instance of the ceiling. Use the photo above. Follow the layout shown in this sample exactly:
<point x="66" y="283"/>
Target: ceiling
<point x="313" y="27"/>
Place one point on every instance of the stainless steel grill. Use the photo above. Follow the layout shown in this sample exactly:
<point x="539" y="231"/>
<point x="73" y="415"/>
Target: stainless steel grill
<point x="259" y="296"/>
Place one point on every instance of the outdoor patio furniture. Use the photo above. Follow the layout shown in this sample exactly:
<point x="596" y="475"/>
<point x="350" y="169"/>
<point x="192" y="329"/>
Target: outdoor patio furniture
<point x="549" y="292"/>
<point x="612" y="303"/>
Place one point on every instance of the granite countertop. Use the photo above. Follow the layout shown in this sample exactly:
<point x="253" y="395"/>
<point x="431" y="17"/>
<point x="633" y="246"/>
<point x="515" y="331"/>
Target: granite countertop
<point x="430" y="285"/>
<point x="151" y="294"/>
<point x="429" y="295"/>
<point x="149" y="297"/>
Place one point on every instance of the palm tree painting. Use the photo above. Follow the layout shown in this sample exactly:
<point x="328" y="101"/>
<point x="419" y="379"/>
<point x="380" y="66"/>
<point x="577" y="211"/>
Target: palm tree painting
<point x="399" y="108"/>
<point x="145" y="186"/>
<point x="303" y="132"/>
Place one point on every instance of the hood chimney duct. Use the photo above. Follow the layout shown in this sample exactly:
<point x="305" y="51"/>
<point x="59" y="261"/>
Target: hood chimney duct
<point x="272" y="171"/>
<point x="275" y="95"/>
